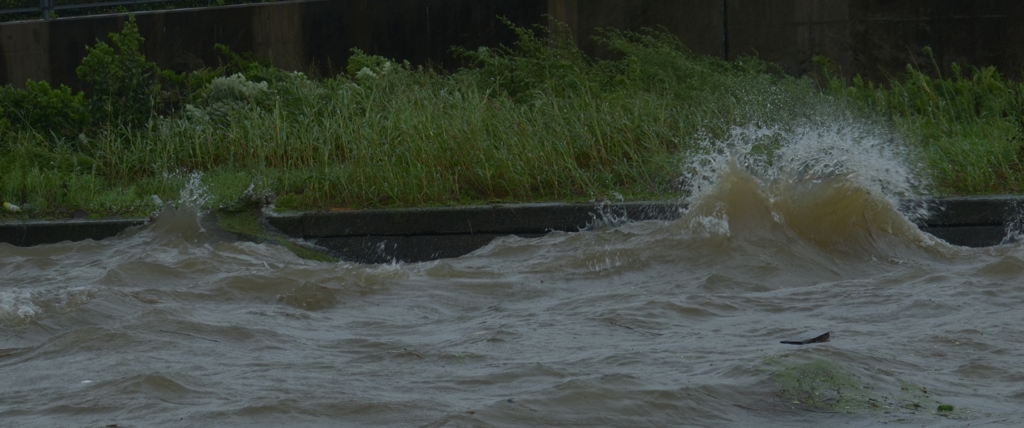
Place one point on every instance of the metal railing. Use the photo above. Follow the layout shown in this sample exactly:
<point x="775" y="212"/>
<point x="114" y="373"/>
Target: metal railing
<point x="47" y="7"/>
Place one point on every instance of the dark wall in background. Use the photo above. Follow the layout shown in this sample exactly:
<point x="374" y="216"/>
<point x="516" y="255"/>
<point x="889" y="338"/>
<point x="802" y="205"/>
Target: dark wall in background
<point x="418" y="31"/>
<point x="980" y="32"/>
<point x="296" y="36"/>
<point x="870" y="37"/>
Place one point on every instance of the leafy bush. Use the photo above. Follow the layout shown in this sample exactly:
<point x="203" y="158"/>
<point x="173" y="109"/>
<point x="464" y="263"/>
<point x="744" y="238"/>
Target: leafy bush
<point x="226" y="95"/>
<point x="124" y="85"/>
<point x="54" y="113"/>
<point x="253" y="69"/>
<point x="362" y="65"/>
<point x="533" y="65"/>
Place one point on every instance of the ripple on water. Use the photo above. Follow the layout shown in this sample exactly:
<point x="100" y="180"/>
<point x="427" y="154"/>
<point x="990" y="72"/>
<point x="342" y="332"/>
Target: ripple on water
<point x="1006" y="267"/>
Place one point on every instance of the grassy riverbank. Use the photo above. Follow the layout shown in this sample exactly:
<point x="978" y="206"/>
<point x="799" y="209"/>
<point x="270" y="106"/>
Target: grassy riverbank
<point x="538" y="121"/>
<point x="966" y="123"/>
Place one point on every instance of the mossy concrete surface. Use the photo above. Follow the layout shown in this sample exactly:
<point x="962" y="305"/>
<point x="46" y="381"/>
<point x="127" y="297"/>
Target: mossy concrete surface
<point x="419" y="234"/>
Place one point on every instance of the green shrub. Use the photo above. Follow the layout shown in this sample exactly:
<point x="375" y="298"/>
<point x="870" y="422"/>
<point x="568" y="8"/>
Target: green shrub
<point x="124" y="86"/>
<point x="362" y="65"/>
<point x="225" y="96"/>
<point x="56" y="114"/>
<point x="532" y="66"/>
<point x="248" y="66"/>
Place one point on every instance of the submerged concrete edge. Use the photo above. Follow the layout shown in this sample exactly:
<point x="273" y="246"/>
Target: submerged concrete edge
<point x="469" y="220"/>
<point x="419" y="234"/>
<point x="37" y="232"/>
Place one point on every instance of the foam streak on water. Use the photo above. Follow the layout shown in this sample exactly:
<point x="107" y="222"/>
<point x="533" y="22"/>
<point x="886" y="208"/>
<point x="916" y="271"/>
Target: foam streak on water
<point x="642" y="324"/>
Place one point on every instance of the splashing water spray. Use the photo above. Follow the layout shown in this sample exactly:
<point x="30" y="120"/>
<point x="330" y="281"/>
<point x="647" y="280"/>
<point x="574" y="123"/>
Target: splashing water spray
<point x="783" y="159"/>
<point x="185" y="216"/>
<point x="838" y="182"/>
<point x="195" y="194"/>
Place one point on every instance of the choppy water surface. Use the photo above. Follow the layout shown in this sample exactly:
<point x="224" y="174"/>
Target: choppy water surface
<point x="648" y="324"/>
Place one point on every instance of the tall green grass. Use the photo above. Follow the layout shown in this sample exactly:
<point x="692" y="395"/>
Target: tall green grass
<point x="531" y="122"/>
<point x="967" y="124"/>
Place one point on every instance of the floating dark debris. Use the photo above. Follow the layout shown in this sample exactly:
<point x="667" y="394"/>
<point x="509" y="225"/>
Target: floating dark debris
<point x="809" y="337"/>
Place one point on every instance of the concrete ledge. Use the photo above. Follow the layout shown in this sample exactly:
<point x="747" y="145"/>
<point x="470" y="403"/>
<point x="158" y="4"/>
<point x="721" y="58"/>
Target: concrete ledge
<point x="500" y="219"/>
<point x="29" y="233"/>
<point x="973" y="211"/>
<point x="969" y="236"/>
<point x="545" y="217"/>
<point x="419" y="234"/>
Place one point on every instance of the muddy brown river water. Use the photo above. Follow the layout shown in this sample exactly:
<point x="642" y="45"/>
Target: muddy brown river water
<point x="646" y="324"/>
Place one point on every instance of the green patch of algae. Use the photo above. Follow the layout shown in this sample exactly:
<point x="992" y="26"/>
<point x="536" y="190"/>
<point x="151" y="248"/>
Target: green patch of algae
<point x="822" y="384"/>
<point x="828" y="385"/>
<point x="247" y="223"/>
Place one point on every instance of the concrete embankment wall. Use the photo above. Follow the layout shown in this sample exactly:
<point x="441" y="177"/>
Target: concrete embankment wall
<point x="420" y="234"/>
<point x="862" y="36"/>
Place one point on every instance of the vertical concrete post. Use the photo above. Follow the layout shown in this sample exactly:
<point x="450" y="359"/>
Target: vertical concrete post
<point x="789" y="32"/>
<point x="725" y="30"/>
<point x="277" y="36"/>
<point x="563" y="15"/>
<point x="822" y="28"/>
